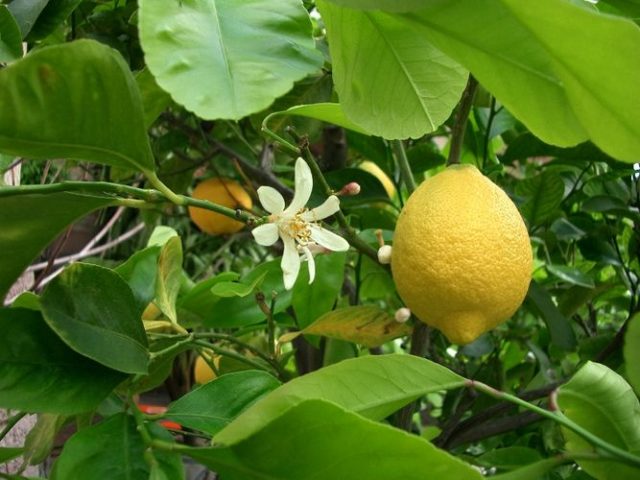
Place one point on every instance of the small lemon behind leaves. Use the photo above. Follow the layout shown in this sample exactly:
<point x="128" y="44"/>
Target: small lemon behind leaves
<point x="202" y="372"/>
<point x="225" y="192"/>
<point x="461" y="256"/>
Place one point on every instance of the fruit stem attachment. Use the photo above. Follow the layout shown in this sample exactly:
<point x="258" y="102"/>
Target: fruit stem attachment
<point x="403" y="163"/>
<point x="559" y="417"/>
<point x="460" y="123"/>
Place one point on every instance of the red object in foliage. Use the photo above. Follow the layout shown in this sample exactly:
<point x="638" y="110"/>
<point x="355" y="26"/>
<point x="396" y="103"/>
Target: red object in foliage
<point x="158" y="410"/>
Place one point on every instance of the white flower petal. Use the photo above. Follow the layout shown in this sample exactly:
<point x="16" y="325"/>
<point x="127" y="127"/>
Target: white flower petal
<point x="328" y="239"/>
<point x="266" y="234"/>
<point x="311" y="262"/>
<point x="290" y="263"/>
<point x="330" y="206"/>
<point x="303" y="186"/>
<point x="271" y="200"/>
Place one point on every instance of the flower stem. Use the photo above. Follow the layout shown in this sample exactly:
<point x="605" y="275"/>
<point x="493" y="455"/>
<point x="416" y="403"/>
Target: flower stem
<point x="403" y="163"/>
<point x="560" y="418"/>
<point x="270" y="133"/>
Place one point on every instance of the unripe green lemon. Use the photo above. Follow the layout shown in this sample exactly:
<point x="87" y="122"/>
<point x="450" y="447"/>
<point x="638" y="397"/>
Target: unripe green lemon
<point x="461" y="256"/>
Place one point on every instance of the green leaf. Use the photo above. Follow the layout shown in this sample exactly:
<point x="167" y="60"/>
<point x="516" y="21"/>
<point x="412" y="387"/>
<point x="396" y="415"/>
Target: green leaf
<point x="543" y="195"/>
<point x="9" y="453"/>
<point x="237" y="289"/>
<point x="114" y="449"/>
<point x="310" y="301"/>
<point x="140" y="271"/>
<point x="24" y="235"/>
<point x="55" y="12"/>
<point x="570" y="275"/>
<point x="600" y="401"/>
<point x="325" y="112"/>
<point x="215" y="404"/>
<point x="199" y="300"/>
<point x="169" y="277"/>
<point x="632" y="352"/>
<point x="367" y="325"/>
<point x="154" y="99"/>
<point x="85" y="94"/>
<point x="227" y="59"/>
<point x="544" y="61"/>
<point x="373" y="386"/>
<point x="559" y="327"/>
<point x="317" y="439"/>
<point x="41" y="438"/>
<point x="26" y="13"/>
<point x="534" y="471"/>
<point x="509" y="458"/>
<point x="411" y="87"/>
<point x="386" y="5"/>
<point x="39" y="373"/>
<point x="93" y="310"/>
<point x="10" y="39"/>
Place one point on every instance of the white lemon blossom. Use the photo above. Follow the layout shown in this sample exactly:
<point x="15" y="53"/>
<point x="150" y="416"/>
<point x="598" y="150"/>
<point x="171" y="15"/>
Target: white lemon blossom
<point x="297" y="226"/>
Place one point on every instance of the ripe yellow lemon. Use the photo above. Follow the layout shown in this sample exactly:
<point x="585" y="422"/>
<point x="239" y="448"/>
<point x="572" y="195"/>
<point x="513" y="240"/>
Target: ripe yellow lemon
<point x="461" y="256"/>
<point x="202" y="372"/>
<point x="225" y="192"/>
<point x="376" y="171"/>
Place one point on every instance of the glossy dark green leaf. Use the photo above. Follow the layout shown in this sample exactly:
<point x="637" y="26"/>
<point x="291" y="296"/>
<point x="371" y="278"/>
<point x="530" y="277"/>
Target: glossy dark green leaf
<point x="571" y="275"/>
<point x="237" y="289"/>
<point x="544" y="61"/>
<point x="374" y="386"/>
<point x="411" y="87"/>
<point x="310" y="301"/>
<point x="603" y="203"/>
<point x="528" y="145"/>
<point x="9" y="453"/>
<point x="559" y="327"/>
<point x="113" y="449"/>
<point x="94" y="311"/>
<point x="26" y="13"/>
<point x="39" y="373"/>
<point x="509" y="458"/>
<point x="599" y="400"/>
<point x="543" y="194"/>
<point x="10" y="39"/>
<point x="227" y="59"/>
<point x="31" y="222"/>
<point x="632" y="352"/>
<point x="53" y="14"/>
<point x="317" y="439"/>
<point x="212" y="406"/>
<point x="85" y="94"/>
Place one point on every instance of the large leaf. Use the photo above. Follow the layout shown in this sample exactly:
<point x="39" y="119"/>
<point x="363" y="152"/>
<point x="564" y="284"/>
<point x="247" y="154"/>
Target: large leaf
<point x="214" y="405"/>
<point x="387" y="5"/>
<point x="543" y="195"/>
<point x="317" y="439"/>
<point x="39" y="373"/>
<point x="599" y="400"/>
<point x="559" y="327"/>
<point x="94" y="311"/>
<point x="326" y="112"/>
<point x="10" y="39"/>
<point x="632" y="352"/>
<point x="77" y="100"/>
<point x="55" y="12"/>
<point x="548" y="62"/>
<point x="373" y="386"/>
<point x="227" y="58"/>
<point x="309" y="301"/>
<point x="114" y="449"/>
<point x="31" y="222"/>
<point x="26" y="13"/>
<point x="368" y="325"/>
<point x="410" y="88"/>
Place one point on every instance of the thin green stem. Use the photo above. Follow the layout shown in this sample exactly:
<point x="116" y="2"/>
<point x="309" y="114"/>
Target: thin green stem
<point x="403" y="163"/>
<point x="560" y="418"/>
<point x="239" y="215"/>
<point x="11" y="422"/>
<point x="176" y="346"/>
<point x="166" y="191"/>
<point x="100" y="188"/>
<point x="229" y="353"/>
<point x="274" y="136"/>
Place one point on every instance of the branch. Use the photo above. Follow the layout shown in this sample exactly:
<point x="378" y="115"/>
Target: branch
<point x="462" y="115"/>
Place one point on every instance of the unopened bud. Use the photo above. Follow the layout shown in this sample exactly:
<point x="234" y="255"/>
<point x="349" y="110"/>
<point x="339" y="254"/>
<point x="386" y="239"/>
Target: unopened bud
<point x="402" y="315"/>
<point x="350" y="189"/>
<point x="384" y="254"/>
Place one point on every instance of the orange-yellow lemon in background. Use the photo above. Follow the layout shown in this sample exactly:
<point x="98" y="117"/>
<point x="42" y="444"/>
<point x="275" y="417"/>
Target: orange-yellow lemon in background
<point x="461" y="257"/>
<point x="373" y="168"/>
<point x="225" y="192"/>
<point x="202" y="372"/>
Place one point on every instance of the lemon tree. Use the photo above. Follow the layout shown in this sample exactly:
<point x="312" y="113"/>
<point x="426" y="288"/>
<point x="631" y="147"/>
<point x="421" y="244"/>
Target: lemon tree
<point x="319" y="239"/>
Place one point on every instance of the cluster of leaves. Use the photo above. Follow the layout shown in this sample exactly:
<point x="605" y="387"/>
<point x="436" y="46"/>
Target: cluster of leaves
<point x="217" y="82"/>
